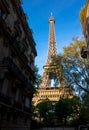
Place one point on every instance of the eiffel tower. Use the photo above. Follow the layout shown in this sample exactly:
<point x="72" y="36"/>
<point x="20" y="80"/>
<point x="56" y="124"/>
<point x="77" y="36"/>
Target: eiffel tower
<point x="53" y="84"/>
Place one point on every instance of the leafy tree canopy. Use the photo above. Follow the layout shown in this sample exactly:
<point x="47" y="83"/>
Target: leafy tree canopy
<point x="67" y="109"/>
<point x="76" y="69"/>
<point x="37" y="76"/>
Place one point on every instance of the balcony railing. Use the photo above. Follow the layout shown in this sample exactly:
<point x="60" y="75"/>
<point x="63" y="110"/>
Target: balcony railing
<point x="14" y="44"/>
<point x="4" y="5"/>
<point x="17" y="105"/>
<point x="8" y="63"/>
<point x="4" y="27"/>
<point x="17" y="28"/>
<point x="5" y="99"/>
<point x="27" y="109"/>
<point x="22" y="57"/>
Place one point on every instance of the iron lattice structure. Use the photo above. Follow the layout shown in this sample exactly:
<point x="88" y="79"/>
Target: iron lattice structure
<point x="52" y="41"/>
<point x="53" y="84"/>
<point x="52" y="72"/>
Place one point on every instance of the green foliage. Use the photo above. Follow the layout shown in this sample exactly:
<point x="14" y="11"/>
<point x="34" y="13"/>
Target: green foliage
<point x="45" y="110"/>
<point x="37" y="76"/>
<point x="85" y="99"/>
<point x="83" y="115"/>
<point x="76" y="69"/>
<point x="35" y="124"/>
<point x="67" y="110"/>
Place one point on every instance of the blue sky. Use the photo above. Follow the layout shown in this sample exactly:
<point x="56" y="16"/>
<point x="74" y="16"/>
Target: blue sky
<point x="67" y="24"/>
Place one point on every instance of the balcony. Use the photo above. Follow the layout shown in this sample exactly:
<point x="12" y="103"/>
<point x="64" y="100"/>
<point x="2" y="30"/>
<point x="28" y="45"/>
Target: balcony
<point x="17" y="4"/>
<point x="15" y="45"/>
<point x="27" y="109"/>
<point x="4" y="5"/>
<point x="17" y="105"/>
<point x="10" y="65"/>
<point x="5" y="99"/>
<point x="17" y="50"/>
<point x="2" y="19"/>
<point x="8" y="62"/>
<point x="25" y="44"/>
<point x="4" y="27"/>
<point x="18" y="30"/>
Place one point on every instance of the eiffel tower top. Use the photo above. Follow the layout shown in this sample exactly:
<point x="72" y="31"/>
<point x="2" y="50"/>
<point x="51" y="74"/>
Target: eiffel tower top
<point x="52" y="40"/>
<point x="51" y="18"/>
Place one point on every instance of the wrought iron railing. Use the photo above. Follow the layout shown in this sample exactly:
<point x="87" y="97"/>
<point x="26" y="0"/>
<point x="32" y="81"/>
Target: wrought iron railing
<point x="5" y="99"/>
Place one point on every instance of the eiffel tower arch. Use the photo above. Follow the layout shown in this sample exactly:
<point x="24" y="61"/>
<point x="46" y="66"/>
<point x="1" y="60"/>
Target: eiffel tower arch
<point x="53" y="84"/>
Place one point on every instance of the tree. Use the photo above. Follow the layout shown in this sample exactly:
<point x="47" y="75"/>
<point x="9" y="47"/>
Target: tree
<point x="46" y="112"/>
<point x="67" y="110"/>
<point x="76" y="69"/>
<point x="83" y="115"/>
<point x="37" y="76"/>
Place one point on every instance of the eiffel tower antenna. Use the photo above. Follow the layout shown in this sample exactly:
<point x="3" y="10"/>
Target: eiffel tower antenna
<point x="51" y="13"/>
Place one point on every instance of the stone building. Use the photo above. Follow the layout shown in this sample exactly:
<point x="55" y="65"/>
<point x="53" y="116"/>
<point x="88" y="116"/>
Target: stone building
<point x="17" y="55"/>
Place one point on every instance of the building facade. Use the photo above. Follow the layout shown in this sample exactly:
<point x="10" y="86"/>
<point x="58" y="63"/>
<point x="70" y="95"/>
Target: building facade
<point x="53" y="84"/>
<point x="17" y="55"/>
<point x="85" y="49"/>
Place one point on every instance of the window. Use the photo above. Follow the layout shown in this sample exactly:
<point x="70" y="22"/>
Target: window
<point x="27" y="102"/>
